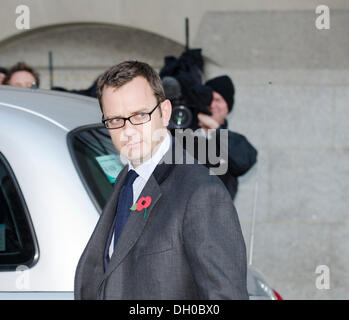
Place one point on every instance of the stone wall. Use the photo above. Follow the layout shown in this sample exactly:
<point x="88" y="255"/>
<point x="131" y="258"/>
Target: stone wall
<point x="292" y="102"/>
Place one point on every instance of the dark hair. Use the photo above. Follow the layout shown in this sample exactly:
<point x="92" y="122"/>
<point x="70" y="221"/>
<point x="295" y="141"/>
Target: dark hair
<point x="22" y="66"/>
<point x="3" y="70"/>
<point x="122" y="73"/>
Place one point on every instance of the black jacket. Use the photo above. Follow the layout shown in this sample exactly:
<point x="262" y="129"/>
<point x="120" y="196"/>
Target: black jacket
<point x="241" y="157"/>
<point x="241" y="153"/>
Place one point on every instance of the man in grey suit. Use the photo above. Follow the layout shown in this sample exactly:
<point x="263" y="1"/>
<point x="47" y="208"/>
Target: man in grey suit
<point x="182" y="238"/>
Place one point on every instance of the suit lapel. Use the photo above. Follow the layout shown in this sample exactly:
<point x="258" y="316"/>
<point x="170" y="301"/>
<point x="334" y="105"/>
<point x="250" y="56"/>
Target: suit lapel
<point x="93" y="255"/>
<point x="137" y="219"/>
<point x="107" y="217"/>
<point x="134" y="225"/>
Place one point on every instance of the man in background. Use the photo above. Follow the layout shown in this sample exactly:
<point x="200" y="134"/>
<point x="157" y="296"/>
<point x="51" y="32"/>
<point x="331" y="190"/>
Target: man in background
<point x="241" y="154"/>
<point x="22" y="75"/>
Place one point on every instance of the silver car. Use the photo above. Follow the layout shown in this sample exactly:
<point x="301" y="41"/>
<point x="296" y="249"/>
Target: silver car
<point x="57" y="169"/>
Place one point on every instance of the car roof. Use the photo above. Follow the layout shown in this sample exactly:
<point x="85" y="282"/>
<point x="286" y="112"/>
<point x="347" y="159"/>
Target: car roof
<point x="66" y="110"/>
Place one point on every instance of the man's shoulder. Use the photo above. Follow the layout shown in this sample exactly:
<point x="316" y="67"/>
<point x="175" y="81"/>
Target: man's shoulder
<point x="189" y="172"/>
<point x="196" y="175"/>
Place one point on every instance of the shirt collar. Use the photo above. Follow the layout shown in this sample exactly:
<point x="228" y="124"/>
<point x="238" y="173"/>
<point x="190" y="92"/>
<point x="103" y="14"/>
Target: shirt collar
<point x="145" y="169"/>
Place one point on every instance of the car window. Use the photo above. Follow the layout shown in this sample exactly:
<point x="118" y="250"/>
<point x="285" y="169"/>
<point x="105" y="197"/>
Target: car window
<point x="96" y="160"/>
<point x="18" y="245"/>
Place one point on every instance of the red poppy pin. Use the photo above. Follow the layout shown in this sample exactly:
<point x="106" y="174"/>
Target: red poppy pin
<point x="142" y="203"/>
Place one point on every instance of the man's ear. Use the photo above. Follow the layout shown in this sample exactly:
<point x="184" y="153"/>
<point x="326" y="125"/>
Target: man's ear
<point x="166" y="110"/>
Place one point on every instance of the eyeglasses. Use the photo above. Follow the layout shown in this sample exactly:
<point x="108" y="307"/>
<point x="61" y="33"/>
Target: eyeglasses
<point x="136" y="119"/>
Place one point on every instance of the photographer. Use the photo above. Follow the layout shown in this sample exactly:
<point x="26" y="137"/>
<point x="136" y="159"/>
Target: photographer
<point x="196" y="106"/>
<point x="241" y="154"/>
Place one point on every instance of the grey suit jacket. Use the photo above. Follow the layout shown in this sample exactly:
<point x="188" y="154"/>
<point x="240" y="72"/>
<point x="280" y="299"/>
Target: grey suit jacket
<point x="188" y="246"/>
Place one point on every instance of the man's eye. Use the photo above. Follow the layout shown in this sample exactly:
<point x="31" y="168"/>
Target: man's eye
<point x="113" y="121"/>
<point x="140" y="115"/>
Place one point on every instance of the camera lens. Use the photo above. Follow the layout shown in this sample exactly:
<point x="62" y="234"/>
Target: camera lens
<point x="181" y="117"/>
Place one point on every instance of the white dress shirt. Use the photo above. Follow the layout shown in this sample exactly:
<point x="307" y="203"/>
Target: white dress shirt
<point x="144" y="172"/>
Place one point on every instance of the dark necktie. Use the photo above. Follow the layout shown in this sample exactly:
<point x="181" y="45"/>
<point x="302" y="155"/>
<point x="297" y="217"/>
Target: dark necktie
<point x="125" y="202"/>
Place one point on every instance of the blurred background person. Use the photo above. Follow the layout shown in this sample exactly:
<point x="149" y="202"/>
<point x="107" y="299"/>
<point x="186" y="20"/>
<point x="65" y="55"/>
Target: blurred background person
<point x="22" y="75"/>
<point x="3" y="72"/>
<point x="241" y="153"/>
<point x="222" y="103"/>
<point x="196" y="105"/>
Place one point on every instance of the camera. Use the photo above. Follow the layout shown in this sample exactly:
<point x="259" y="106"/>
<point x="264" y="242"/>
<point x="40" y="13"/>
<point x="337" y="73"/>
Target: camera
<point x="182" y="114"/>
<point x="181" y="80"/>
<point x="187" y="103"/>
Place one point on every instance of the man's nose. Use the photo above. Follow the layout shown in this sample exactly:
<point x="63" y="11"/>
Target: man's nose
<point x="129" y="128"/>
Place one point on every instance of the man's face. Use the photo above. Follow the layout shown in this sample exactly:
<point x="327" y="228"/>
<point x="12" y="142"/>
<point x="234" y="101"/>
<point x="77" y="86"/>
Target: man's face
<point x="219" y="108"/>
<point x="22" y="79"/>
<point x="136" y="142"/>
